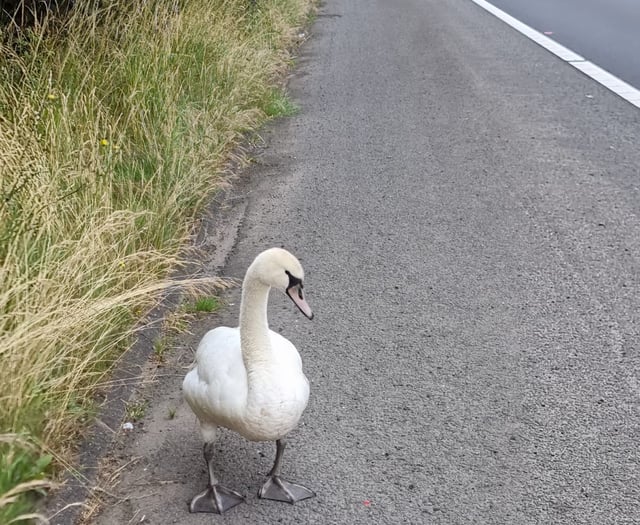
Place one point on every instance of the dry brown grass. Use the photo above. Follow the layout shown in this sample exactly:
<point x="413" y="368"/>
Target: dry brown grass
<point x="114" y="128"/>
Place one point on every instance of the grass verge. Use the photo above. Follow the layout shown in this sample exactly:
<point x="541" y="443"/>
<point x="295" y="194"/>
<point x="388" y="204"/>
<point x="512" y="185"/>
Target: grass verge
<point x="115" y="125"/>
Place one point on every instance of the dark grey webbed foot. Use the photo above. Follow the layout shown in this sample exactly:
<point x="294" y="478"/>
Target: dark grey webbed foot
<point x="278" y="489"/>
<point x="216" y="499"/>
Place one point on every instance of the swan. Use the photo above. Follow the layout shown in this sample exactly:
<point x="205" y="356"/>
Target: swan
<point x="250" y="380"/>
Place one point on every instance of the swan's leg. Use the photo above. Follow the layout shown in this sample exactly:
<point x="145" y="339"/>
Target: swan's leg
<point x="277" y="488"/>
<point x="215" y="498"/>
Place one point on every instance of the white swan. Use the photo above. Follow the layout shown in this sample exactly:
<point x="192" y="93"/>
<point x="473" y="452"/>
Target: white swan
<point x="250" y="380"/>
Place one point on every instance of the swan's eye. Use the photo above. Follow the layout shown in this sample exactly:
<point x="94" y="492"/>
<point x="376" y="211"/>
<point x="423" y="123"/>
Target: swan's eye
<point x="293" y="281"/>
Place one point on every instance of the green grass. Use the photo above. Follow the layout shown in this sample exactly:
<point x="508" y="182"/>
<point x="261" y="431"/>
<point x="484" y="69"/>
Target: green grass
<point x="115" y="125"/>
<point x="206" y="304"/>
<point x="22" y="470"/>
<point x="278" y="104"/>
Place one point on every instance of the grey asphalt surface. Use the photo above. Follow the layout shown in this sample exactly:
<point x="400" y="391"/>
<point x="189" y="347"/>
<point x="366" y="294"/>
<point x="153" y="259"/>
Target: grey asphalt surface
<point x="606" y="32"/>
<point x="466" y="207"/>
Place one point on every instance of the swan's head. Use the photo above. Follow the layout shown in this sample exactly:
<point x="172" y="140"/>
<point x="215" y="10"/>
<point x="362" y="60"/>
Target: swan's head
<point x="279" y="269"/>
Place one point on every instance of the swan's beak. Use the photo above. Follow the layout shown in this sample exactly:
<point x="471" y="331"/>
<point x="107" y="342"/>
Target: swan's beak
<point x="295" y="293"/>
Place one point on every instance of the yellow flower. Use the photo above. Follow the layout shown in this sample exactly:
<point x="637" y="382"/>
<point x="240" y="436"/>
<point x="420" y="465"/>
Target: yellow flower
<point x="52" y="96"/>
<point x="104" y="142"/>
<point x="121" y="264"/>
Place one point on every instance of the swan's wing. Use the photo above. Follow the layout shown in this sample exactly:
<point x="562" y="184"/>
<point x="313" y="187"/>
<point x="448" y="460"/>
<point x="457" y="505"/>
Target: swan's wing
<point x="216" y="388"/>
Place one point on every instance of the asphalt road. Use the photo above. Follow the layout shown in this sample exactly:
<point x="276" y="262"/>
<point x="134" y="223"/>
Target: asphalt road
<point x="606" y="32"/>
<point x="466" y="207"/>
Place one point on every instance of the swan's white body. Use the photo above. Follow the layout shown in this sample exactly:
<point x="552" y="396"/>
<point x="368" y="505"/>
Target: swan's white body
<point x="249" y="379"/>
<point x="262" y="402"/>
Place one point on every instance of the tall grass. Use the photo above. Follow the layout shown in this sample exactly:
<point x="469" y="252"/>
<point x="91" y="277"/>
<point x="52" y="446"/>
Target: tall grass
<point x="114" y="127"/>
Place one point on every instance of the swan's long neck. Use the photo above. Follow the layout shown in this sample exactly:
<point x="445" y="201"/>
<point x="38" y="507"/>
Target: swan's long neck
<point x="254" y="327"/>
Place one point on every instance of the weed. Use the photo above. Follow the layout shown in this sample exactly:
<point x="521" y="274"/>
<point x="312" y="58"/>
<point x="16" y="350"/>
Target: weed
<point x="135" y="410"/>
<point x="160" y="347"/>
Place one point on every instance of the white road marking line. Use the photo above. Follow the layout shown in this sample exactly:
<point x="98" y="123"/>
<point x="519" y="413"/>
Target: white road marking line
<point x="611" y="82"/>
